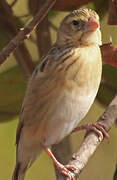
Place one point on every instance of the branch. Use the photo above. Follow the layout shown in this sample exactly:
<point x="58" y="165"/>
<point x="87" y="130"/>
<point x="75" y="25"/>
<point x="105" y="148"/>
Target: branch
<point x="25" y="33"/>
<point x="42" y="31"/>
<point x="91" y="141"/>
<point x="42" y="36"/>
<point x="109" y="54"/>
<point x="10" y="28"/>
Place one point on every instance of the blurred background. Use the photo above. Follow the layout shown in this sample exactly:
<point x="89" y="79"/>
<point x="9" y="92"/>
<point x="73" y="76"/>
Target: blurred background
<point x="15" y="72"/>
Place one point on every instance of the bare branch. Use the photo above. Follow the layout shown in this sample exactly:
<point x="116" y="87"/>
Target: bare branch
<point x="91" y="141"/>
<point x="42" y="36"/>
<point x="109" y="52"/>
<point x="25" y="33"/>
<point x="10" y="28"/>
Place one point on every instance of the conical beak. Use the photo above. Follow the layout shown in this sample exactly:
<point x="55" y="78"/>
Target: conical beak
<point x="92" y="24"/>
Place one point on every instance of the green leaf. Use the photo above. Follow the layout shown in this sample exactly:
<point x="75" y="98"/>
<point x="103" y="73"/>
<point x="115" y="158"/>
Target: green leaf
<point x="12" y="89"/>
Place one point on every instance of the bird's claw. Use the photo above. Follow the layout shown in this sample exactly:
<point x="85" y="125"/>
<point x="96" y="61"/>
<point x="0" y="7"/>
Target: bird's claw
<point x="66" y="171"/>
<point x="97" y="127"/>
<point x="71" y="167"/>
<point x="101" y="130"/>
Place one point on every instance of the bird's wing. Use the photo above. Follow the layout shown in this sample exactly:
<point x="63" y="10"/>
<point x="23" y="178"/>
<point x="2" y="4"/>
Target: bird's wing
<point x="44" y="88"/>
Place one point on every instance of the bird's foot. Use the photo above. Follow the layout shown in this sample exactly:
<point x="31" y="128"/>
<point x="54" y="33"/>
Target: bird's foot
<point x="97" y="127"/>
<point x="66" y="170"/>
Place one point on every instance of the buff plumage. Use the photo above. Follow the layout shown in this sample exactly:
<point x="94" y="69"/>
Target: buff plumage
<point x="62" y="88"/>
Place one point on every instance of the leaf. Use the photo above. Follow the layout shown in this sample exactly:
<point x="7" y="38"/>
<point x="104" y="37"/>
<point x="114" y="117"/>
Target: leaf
<point x="12" y="89"/>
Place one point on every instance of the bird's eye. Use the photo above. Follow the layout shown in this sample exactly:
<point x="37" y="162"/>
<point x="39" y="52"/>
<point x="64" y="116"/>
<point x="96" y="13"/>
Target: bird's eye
<point x="75" y="23"/>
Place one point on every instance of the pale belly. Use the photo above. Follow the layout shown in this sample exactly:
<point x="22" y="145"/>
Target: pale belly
<point x="67" y="114"/>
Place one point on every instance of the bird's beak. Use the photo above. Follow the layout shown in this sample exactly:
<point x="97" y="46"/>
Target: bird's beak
<point x="91" y="25"/>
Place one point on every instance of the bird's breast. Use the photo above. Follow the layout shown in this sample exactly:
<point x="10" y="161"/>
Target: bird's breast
<point x="67" y="113"/>
<point x="77" y="96"/>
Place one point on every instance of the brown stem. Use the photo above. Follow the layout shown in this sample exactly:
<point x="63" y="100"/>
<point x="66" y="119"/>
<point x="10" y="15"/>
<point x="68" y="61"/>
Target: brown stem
<point x="43" y="35"/>
<point x="10" y="28"/>
<point x="23" y="58"/>
<point x="25" y="33"/>
<point x="91" y="141"/>
<point x="42" y="30"/>
<point x="109" y="52"/>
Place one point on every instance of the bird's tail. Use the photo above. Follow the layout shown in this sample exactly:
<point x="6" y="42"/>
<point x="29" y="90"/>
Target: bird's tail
<point x="20" y="170"/>
<point x="18" y="174"/>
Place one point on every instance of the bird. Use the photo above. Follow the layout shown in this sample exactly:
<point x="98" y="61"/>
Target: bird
<point x="60" y="91"/>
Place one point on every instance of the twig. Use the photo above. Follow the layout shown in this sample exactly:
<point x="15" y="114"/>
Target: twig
<point x="10" y="28"/>
<point x="42" y="31"/>
<point x="109" y="52"/>
<point x="25" y="33"/>
<point x="23" y="58"/>
<point x="91" y="141"/>
<point x="42" y="36"/>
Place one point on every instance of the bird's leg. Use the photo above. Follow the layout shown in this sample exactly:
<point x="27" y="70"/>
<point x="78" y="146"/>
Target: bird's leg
<point x="98" y="127"/>
<point x="64" y="169"/>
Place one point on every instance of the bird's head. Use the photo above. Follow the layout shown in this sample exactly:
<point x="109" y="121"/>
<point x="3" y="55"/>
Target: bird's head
<point x="80" y="27"/>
